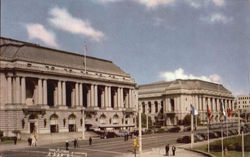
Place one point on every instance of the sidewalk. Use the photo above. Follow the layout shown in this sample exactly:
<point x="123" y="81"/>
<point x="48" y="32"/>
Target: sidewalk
<point x="160" y="152"/>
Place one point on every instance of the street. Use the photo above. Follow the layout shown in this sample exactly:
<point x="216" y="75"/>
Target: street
<point x="100" y="147"/>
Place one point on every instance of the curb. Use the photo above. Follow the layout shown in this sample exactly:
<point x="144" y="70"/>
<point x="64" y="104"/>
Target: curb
<point x="201" y="152"/>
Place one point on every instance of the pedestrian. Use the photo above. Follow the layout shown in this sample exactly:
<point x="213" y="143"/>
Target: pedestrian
<point x="75" y="143"/>
<point x="167" y="149"/>
<point x="90" y="141"/>
<point x="29" y="141"/>
<point x="15" y="140"/>
<point x="173" y="150"/>
<point x="67" y="145"/>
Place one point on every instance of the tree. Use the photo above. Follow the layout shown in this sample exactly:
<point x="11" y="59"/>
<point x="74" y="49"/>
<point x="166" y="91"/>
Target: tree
<point x="144" y="121"/>
<point x="187" y="120"/>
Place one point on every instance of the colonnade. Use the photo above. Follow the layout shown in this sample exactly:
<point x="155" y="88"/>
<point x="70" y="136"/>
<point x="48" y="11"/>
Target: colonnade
<point x="97" y="95"/>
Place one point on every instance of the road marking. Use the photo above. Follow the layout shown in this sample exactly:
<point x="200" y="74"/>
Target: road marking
<point x="104" y="151"/>
<point x="28" y="151"/>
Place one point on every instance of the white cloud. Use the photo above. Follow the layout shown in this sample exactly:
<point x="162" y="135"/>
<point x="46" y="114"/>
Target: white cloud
<point x="218" y="2"/>
<point x="63" y="20"/>
<point x="154" y="3"/>
<point x="179" y="74"/>
<point x="37" y="31"/>
<point x="217" y="18"/>
<point x="193" y="4"/>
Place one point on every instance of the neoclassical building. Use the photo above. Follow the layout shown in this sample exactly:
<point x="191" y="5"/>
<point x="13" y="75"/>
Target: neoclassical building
<point x="169" y="102"/>
<point x="48" y="90"/>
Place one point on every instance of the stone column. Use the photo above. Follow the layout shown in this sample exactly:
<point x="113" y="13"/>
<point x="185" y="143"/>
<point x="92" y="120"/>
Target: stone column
<point x="76" y="94"/>
<point x="102" y="98"/>
<point x="196" y="102"/>
<point x="106" y="96"/>
<point x="115" y="99"/>
<point x="122" y="103"/>
<point x="129" y="98"/>
<point x="218" y="104"/>
<point x="59" y="93"/>
<point x="88" y="97"/>
<point x="40" y="92"/>
<point x="9" y="79"/>
<point x="109" y="96"/>
<point x="204" y="104"/>
<point x="96" y="95"/>
<point x="80" y="95"/>
<point x="64" y="93"/>
<point x="118" y="97"/>
<point x="23" y="89"/>
<point x="92" y="96"/>
<point x="73" y="97"/>
<point x="45" y="94"/>
<point x="18" y="94"/>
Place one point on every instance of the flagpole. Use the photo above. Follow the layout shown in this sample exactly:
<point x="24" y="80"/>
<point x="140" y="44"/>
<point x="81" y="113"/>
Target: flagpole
<point x="192" y="130"/>
<point x="208" y="145"/>
<point x="222" y="153"/>
<point x="85" y="51"/>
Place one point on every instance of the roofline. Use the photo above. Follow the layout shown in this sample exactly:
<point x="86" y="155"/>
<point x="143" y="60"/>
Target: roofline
<point x="53" y="49"/>
<point x="163" y="82"/>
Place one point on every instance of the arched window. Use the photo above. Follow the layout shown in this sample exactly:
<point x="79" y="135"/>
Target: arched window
<point x="103" y="119"/>
<point x="115" y="119"/>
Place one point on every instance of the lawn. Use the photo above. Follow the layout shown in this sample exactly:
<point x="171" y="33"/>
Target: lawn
<point x="234" y="145"/>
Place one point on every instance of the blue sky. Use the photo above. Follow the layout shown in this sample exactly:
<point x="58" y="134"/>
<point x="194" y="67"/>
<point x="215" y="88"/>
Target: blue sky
<point x="152" y="40"/>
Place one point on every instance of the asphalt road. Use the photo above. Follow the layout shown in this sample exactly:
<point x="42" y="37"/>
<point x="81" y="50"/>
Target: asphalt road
<point x="100" y="147"/>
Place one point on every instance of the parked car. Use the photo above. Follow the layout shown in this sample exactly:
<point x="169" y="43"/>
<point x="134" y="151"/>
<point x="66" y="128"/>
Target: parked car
<point x="175" y="129"/>
<point x="122" y="133"/>
<point x="204" y="135"/>
<point x="198" y="138"/>
<point x="187" y="129"/>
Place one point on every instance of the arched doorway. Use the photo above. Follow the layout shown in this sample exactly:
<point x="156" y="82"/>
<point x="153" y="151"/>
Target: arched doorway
<point x="72" y="123"/>
<point x="33" y="123"/>
<point x="54" y="123"/>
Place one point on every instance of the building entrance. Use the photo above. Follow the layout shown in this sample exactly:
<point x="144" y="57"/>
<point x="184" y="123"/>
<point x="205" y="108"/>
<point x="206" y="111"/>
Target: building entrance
<point x="32" y="127"/>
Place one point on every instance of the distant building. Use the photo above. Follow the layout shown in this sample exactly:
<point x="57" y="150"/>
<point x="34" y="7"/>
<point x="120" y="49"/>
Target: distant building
<point x="45" y="90"/>
<point x="243" y="102"/>
<point x="169" y="102"/>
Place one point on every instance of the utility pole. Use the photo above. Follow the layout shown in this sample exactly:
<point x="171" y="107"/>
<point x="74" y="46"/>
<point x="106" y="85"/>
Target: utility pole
<point x="140" y="135"/>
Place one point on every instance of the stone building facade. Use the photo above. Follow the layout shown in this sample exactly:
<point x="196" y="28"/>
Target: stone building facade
<point x="169" y="102"/>
<point x="243" y="102"/>
<point x="48" y="90"/>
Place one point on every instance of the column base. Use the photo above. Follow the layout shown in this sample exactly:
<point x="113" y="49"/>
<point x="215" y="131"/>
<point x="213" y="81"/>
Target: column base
<point x="63" y="107"/>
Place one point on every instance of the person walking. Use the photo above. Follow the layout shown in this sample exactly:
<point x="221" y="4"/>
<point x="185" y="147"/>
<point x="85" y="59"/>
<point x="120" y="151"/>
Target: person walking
<point x="173" y="150"/>
<point x="90" y="141"/>
<point x="167" y="149"/>
<point x="75" y="143"/>
<point x="15" y="140"/>
<point x="29" y="141"/>
<point x="67" y="145"/>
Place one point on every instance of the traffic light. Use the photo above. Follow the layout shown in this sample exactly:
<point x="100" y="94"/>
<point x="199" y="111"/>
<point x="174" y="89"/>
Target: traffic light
<point x="134" y="143"/>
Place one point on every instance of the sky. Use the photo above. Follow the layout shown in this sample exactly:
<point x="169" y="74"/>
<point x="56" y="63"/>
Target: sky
<point x="152" y="40"/>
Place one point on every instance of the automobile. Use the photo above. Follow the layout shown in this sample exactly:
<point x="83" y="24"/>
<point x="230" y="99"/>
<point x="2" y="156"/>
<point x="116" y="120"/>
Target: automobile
<point x="212" y="135"/>
<point x="185" y="139"/>
<point x="204" y="135"/>
<point x="187" y="129"/>
<point x="198" y="138"/>
<point x="174" y="129"/>
<point x="122" y="133"/>
<point x="218" y="133"/>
